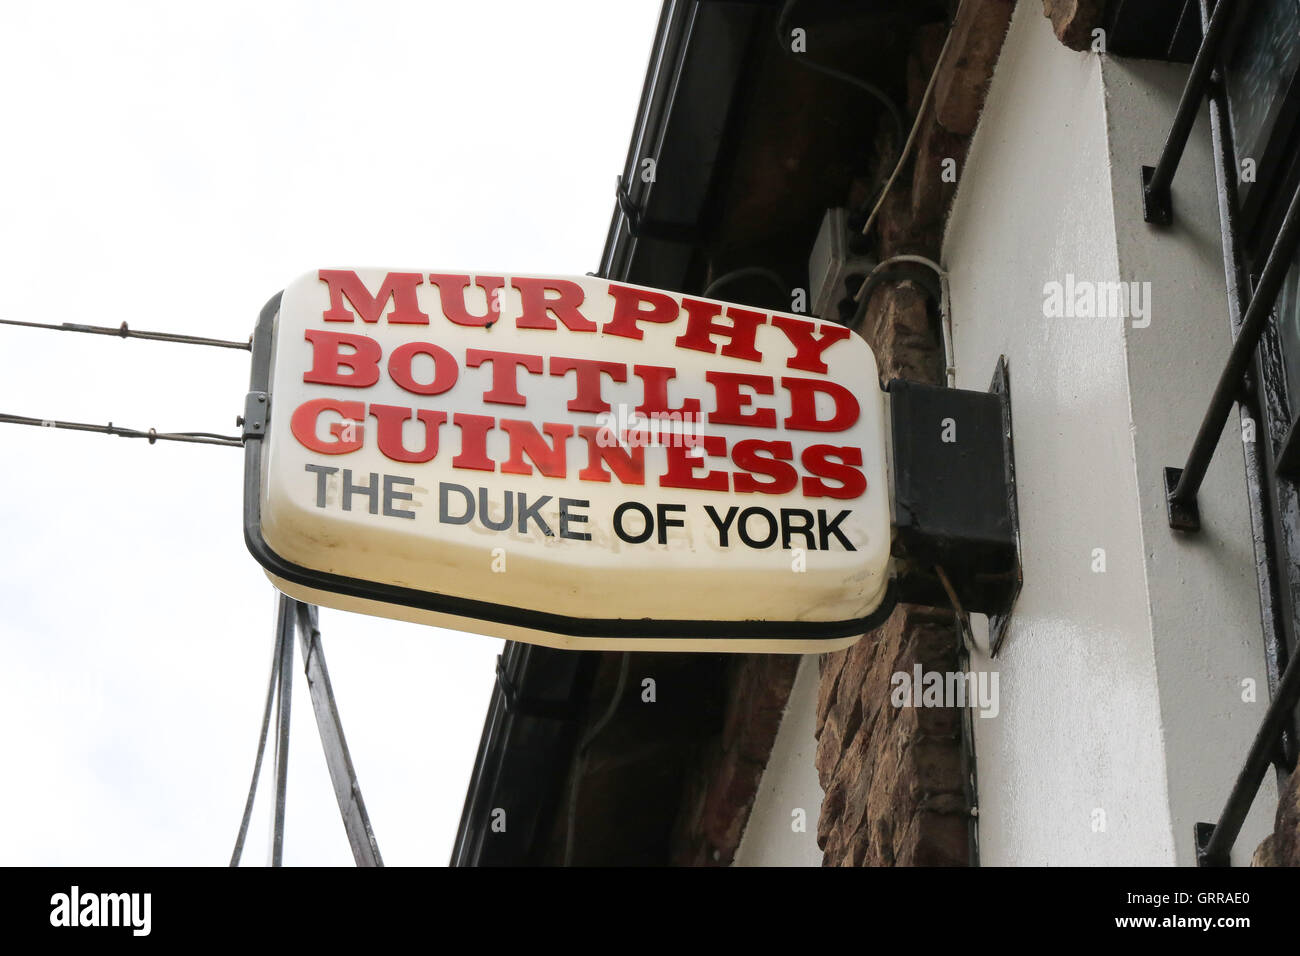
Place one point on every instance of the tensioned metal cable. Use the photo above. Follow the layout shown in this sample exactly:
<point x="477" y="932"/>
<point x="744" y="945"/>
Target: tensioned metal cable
<point x="199" y="438"/>
<point x="123" y="331"/>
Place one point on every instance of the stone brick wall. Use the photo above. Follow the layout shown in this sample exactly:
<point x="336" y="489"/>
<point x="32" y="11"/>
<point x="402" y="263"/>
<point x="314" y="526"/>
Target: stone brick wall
<point x="894" y="781"/>
<point x="1282" y="847"/>
<point x="894" y="778"/>
<point x="1074" y="20"/>
<point x="720" y="790"/>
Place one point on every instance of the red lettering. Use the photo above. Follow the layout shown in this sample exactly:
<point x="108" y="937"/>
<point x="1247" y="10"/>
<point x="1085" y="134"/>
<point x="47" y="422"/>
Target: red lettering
<point x="525" y="439"/>
<point x="587" y="381"/>
<point x="473" y="442"/>
<point x="565" y="307"/>
<point x="683" y="462"/>
<point x="445" y="371"/>
<point x="391" y="420"/>
<point x="628" y="310"/>
<point x="803" y="405"/>
<point x="808" y="345"/>
<point x="817" y="459"/>
<point x="304" y="419"/>
<point x="505" y="373"/>
<point x="655" y="379"/>
<point x="740" y="334"/>
<point x="732" y="401"/>
<point x="451" y="292"/>
<point x="764" y="458"/>
<point x="627" y="462"/>
<point x="398" y="286"/>
<point x="326" y="359"/>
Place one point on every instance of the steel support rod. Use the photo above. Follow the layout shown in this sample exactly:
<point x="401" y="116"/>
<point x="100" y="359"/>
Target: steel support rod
<point x="1156" y="183"/>
<point x="337" y="757"/>
<point x="271" y="685"/>
<point x="1183" y="495"/>
<point x="1217" y="850"/>
<point x="284" y="701"/>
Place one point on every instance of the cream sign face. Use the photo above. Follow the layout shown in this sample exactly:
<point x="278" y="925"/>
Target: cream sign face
<point x="568" y="461"/>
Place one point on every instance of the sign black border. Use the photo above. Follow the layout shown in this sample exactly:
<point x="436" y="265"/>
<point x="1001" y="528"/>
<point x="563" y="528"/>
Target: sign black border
<point x="577" y="627"/>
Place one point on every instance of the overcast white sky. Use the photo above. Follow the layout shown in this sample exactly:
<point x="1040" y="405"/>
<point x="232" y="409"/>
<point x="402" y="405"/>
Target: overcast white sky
<point x="173" y="166"/>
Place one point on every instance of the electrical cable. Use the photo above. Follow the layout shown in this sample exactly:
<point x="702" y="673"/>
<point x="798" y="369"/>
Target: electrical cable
<point x="746" y="272"/>
<point x="123" y="331"/>
<point x="874" y="278"/>
<point x="197" y="438"/>
<point x="867" y="87"/>
<point x="580" y="765"/>
<point x="916" y="125"/>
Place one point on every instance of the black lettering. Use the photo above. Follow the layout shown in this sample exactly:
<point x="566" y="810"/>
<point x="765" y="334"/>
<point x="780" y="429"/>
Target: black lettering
<point x="390" y="496"/>
<point x="567" y="514"/>
<point x="533" y="511"/>
<point x="720" y="524"/>
<point x="666" y="522"/>
<point x="322" y="471"/>
<point x="825" y="529"/>
<point x="789" y="529"/>
<point x="645" y="515"/>
<point x="370" y="489"/>
<point x="484" y="515"/>
<point x="444" y="515"/>
<point x="742" y="527"/>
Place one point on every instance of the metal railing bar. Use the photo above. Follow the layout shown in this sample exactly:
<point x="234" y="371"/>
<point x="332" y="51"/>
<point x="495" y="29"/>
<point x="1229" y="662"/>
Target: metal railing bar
<point x="1234" y="370"/>
<point x="1155" y="188"/>
<point x="1216" y="851"/>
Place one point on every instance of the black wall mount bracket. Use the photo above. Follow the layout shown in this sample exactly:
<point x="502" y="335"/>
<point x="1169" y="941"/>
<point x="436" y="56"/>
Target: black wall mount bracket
<point x="954" y="498"/>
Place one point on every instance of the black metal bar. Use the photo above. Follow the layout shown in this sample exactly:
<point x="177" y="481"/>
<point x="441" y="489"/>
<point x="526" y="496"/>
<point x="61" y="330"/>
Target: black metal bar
<point x="1263" y="531"/>
<point x="1156" y="199"/>
<point x="1230" y="379"/>
<point x="1214" y="841"/>
<point x="1216" y="851"/>
<point x="1265" y="536"/>
<point x="347" y="791"/>
<point x="284" y="701"/>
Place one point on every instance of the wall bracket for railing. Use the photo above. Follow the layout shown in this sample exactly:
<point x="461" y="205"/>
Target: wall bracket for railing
<point x="1157" y="203"/>
<point x="1182" y="496"/>
<point x="1204" y="834"/>
<point x="1184" y="515"/>
<point x="1214" y="842"/>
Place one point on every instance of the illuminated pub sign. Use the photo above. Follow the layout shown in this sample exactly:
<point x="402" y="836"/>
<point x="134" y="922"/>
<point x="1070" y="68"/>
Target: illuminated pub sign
<point x="568" y="461"/>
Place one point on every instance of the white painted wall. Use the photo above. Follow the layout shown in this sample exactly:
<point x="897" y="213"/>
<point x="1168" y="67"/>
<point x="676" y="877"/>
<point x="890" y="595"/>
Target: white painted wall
<point x="1121" y="721"/>
<point x="1202" y="589"/>
<point x="789" y="783"/>
<point x="1121" y="718"/>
